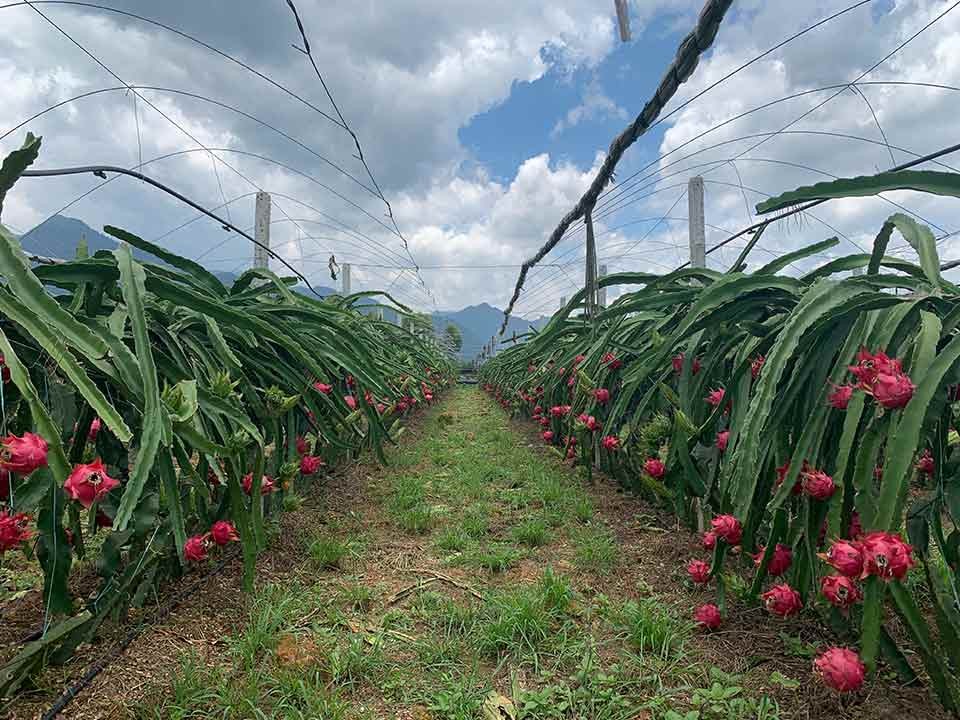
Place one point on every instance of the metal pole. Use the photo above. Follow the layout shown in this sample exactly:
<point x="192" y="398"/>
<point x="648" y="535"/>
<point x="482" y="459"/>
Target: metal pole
<point x="601" y="291"/>
<point x="261" y="231"/>
<point x="698" y="233"/>
<point x="345" y="271"/>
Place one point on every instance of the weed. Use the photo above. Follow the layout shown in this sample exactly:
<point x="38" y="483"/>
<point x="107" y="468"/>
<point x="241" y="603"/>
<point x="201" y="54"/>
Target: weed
<point x="532" y="533"/>
<point x="556" y="591"/>
<point x="583" y="508"/>
<point x="651" y="627"/>
<point x="476" y="522"/>
<point x="416" y="520"/>
<point x="596" y="550"/>
<point x="516" y="622"/>
<point x="359" y="597"/>
<point x="726" y="700"/>
<point x="798" y="647"/>
<point x="200" y="691"/>
<point x="356" y="662"/>
<point x="329" y="553"/>
<point x="496" y="558"/>
<point x="409" y="491"/>
<point x="439" y="653"/>
<point x="516" y="498"/>
<point x="458" y="698"/>
<point x="272" y="609"/>
<point x="453" y="540"/>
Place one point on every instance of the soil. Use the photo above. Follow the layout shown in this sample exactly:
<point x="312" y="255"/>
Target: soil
<point x="653" y="549"/>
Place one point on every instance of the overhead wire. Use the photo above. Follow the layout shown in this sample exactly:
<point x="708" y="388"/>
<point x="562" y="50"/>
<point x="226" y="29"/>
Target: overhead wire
<point x="112" y="73"/>
<point x="203" y="98"/>
<point x="52" y="172"/>
<point x="30" y="3"/>
<point x="654" y="123"/>
<point x="599" y="215"/>
<point x="308" y="52"/>
<point x="187" y="36"/>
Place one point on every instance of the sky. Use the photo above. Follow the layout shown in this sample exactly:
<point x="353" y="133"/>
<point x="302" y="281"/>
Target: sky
<point x="481" y="124"/>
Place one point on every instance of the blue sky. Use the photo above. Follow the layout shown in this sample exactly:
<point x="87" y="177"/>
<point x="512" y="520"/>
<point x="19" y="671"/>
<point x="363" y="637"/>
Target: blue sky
<point x="483" y="122"/>
<point x="503" y="137"/>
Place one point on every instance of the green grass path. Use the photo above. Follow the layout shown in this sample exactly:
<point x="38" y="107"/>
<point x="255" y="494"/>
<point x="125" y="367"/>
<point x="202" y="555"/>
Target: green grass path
<point x="473" y="564"/>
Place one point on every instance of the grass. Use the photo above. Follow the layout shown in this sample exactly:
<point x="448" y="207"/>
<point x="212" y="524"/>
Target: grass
<point x="596" y="550"/>
<point x="532" y="532"/>
<point x="359" y="598"/>
<point x="652" y="627"/>
<point x="453" y="540"/>
<point x="330" y="553"/>
<point x="409" y="505"/>
<point x="545" y="638"/>
<point x="476" y="521"/>
<point x="416" y="520"/>
<point x="496" y="557"/>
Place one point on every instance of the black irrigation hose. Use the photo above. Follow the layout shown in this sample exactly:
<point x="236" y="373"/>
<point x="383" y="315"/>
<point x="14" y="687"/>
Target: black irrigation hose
<point x="132" y="634"/>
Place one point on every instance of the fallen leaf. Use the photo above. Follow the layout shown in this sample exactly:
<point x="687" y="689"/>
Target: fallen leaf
<point x="498" y="707"/>
<point x="297" y="651"/>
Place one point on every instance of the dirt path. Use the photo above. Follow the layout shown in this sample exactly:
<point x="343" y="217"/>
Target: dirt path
<point x="475" y="564"/>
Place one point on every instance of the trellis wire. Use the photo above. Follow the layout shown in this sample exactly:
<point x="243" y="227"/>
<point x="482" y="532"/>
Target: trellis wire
<point x="680" y="70"/>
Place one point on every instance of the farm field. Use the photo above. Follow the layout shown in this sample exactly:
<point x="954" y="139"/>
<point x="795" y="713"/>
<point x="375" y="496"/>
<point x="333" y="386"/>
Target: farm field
<point x="476" y="563"/>
<point x="480" y="361"/>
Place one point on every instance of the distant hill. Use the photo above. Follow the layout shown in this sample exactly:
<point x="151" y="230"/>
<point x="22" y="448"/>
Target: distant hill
<point x="60" y="235"/>
<point x="478" y="323"/>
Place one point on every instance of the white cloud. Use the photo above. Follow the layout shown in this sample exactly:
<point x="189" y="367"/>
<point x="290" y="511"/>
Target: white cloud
<point x="480" y="222"/>
<point x="410" y="74"/>
<point x="594" y="105"/>
<point x="916" y="119"/>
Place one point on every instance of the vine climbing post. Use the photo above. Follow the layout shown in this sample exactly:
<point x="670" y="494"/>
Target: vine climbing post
<point x="590" y="278"/>
<point x="261" y="230"/>
<point x="601" y="291"/>
<point x="698" y="235"/>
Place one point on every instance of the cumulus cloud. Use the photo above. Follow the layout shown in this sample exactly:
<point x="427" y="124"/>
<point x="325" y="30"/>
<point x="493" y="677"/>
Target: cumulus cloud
<point x="594" y="105"/>
<point x="794" y="143"/>
<point x="409" y="75"/>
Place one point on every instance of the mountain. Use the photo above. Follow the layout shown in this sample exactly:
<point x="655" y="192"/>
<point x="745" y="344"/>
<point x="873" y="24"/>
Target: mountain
<point x="478" y="323"/>
<point x="59" y="236"/>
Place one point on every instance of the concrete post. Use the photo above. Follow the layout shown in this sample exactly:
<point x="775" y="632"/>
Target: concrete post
<point x="698" y="234"/>
<point x="590" y="273"/>
<point x="602" y="292"/>
<point x="623" y="19"/>
<point x="698" y="258"/>
<point x="261" y="230"/>
<point x="345" y="274"/>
